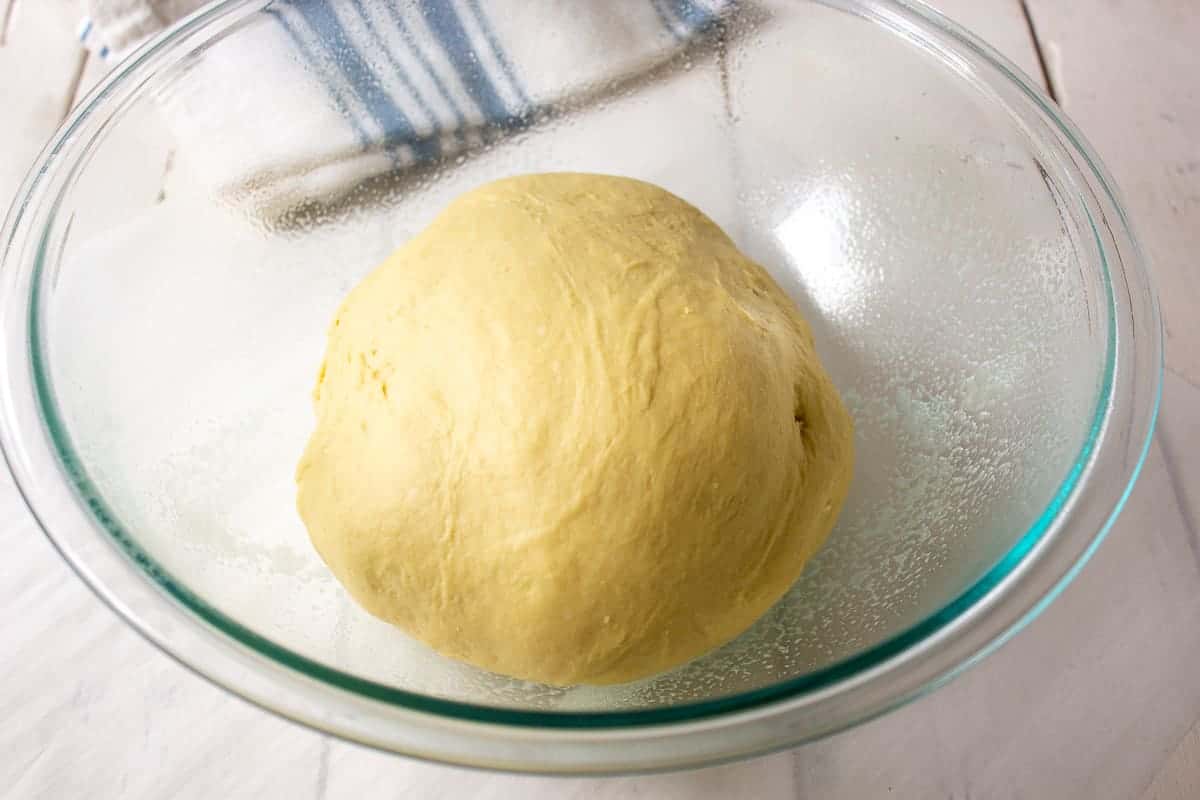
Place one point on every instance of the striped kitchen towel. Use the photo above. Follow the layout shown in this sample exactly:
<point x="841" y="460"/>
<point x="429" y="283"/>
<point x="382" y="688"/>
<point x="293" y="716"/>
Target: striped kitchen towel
<point x="369" y="87"/>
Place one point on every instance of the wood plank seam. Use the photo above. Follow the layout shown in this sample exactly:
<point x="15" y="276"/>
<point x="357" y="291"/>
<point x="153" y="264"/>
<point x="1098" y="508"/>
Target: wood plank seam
<point x="1047" y="78"/>
<point x="1186" y="512"/>
<point x="1183" y="377"/>
<point x="1178" y="769"/>
<point x="73" y="90"/>
<point x="6" y="20"/>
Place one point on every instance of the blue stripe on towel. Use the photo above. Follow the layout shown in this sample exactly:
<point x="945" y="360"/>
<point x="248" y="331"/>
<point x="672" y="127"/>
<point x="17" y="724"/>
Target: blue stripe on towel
<point x="501" y="57"/>
<point x="447" y="27"/>
<point x="359" y="80"/>
<point x="335" y="95"/>
<point x="397" y="128"/>
<point x="396" y="67"/>
<point x="413" y="45"/>
<point x="661" y="12"/>
<point x="695" y="17"/>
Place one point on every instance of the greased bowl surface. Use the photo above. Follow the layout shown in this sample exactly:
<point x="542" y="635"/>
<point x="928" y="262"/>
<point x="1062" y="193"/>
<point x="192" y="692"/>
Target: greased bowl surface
<point x="973" y="284"/>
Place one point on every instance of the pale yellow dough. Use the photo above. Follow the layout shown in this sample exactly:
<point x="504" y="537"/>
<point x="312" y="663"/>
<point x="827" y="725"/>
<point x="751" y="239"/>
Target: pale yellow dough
<point x="569" y="433"/>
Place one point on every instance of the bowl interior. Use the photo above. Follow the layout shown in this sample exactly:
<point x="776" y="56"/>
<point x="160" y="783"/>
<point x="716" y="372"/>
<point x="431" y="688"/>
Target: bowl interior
<point x="957" y="299"/>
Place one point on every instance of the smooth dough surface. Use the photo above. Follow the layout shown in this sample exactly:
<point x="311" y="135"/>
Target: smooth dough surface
<point x="569" y="433"/>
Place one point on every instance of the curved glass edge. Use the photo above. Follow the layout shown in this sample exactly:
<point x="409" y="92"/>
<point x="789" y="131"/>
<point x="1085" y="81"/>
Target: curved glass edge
<point x="85" y="492"/>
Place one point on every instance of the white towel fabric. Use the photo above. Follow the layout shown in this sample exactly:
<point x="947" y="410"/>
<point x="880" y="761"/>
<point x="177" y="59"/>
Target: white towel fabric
<point x="113" y="27"/>
<point x="369" y="87"/>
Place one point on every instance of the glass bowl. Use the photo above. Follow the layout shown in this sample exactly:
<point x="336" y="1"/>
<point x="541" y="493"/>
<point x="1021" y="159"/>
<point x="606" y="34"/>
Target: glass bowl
<point x="172" y="261"/>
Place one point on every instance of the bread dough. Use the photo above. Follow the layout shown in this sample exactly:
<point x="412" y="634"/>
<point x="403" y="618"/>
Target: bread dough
<point x="569" y="433"/>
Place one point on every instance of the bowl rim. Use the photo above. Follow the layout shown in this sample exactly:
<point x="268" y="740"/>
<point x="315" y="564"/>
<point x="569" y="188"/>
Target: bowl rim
<point x="55" y="486"/>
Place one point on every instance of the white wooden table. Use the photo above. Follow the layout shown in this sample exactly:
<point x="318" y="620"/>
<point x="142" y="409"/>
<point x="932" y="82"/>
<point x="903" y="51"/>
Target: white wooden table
<point x="1098" y="698"/>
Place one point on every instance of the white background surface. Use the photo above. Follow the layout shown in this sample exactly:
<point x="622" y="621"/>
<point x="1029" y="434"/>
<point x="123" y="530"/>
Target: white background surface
<point x="1098" y="698"/>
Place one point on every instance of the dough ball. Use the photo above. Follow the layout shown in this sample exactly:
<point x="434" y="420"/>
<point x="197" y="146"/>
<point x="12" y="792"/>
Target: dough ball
<point x="569" y="433"/>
